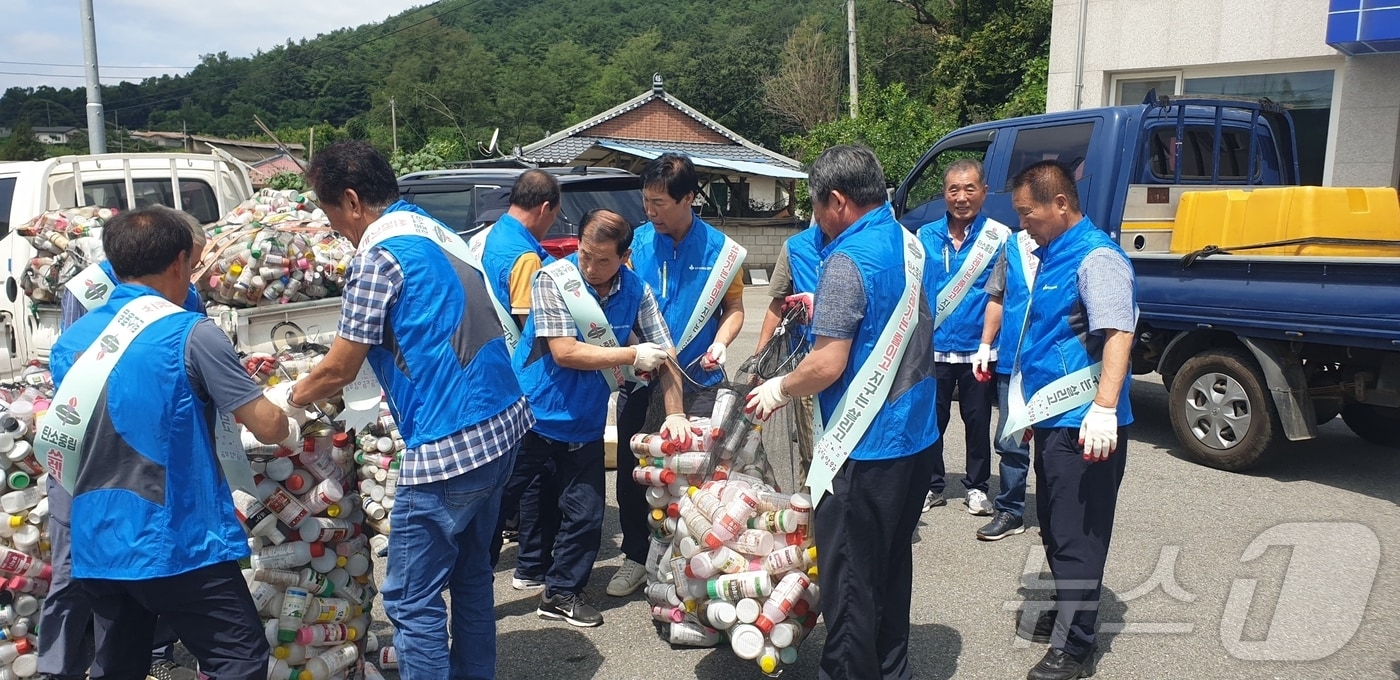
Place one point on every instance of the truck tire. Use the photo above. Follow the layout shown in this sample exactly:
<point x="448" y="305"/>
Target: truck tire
<point x="1221" y="411"/>
<point x="1376" y="424"/>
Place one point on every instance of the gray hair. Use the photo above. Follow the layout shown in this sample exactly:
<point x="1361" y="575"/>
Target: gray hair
<point x="966" y="165"/>
<point x="850" y="169"/>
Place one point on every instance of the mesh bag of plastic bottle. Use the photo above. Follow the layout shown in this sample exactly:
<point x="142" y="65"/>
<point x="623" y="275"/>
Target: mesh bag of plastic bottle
<point x="277" y="247"/>
<point x="787" y="434"/>
<point x="65" y="242"/>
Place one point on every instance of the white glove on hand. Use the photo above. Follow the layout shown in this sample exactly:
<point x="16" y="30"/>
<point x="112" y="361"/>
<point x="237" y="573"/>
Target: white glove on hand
<point x="714" y="357"/>
<point x="1098" y="434"/>
<point x="676" y="428"/>
<point x="980" y="361"/>
<point x="294" y="439"/>
<point x="649" y="356"/>
<point x="766" y="398"/>
<point x="281" y="396"/>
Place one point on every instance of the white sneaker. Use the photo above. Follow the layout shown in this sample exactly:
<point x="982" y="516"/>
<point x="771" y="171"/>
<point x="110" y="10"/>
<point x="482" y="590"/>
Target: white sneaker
<point x="978" y="504"/>
<point x="627" y="579"/>
<point x="525" y="583"/>
<point x="933" y="500"/>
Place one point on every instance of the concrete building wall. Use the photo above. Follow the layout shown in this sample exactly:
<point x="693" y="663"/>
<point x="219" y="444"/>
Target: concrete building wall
<point x="1207" y="38"/>
<point x="763" y="243"/>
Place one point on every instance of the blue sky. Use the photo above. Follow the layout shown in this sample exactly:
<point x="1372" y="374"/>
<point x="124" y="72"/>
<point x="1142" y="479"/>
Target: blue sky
<point x="170" y="34"/>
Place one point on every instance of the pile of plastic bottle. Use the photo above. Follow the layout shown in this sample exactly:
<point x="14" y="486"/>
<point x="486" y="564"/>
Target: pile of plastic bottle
<point x="311" y="573"/>
<point x="66" y="241"/>
<point x="731" y="556"/>
<point x="380" y="452"/>
<point x="274" y="248"/>
<point x="24" y="530"/>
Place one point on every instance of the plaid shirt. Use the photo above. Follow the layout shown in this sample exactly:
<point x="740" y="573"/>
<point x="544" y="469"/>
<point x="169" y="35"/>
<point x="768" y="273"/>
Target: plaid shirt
<point x="372" y="287"/>
<point x="553" y="320"/>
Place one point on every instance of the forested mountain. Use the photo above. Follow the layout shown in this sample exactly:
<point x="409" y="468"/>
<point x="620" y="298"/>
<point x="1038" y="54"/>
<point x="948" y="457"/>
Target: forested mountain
<point x="458" y="69"/>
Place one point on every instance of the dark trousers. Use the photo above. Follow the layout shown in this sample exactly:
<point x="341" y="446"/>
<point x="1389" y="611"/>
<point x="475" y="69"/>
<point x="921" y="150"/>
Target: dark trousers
<point x="867" y="566"/>
<point x="66" y="624"/>
<point x="210" y="607"/>
<point x="529" y="481"/>
<point x="1076" y="501"/>
<point x="575" y="500"/>
<point x="975" y="400"/>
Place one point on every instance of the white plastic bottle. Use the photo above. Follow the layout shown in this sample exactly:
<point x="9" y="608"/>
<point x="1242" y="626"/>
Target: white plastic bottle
<point x="734" y="587"/>
<point x="755" y="542"/>
<point x="780" y="602"/>
<point x="293" y="554"/>
<point x="277" y="499"/>
<point x="692" y="634"/>
<point x="294" y="602"/>
<point x="746" y="641"/>
<point x="19" y="501"/>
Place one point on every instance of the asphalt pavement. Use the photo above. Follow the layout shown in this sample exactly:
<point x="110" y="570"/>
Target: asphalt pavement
<point x="1279" y="573"/>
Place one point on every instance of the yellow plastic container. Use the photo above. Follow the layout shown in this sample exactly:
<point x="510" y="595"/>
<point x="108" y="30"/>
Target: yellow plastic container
<point x="1233" y="218"/>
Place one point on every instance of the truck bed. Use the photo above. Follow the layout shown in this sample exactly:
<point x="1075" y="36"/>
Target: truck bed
<point x="1352" y="302"/>
<point x="272" y="328"/>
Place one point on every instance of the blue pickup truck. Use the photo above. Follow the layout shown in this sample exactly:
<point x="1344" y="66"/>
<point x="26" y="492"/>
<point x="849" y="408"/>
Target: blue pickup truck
<point x="1252" y="347"/>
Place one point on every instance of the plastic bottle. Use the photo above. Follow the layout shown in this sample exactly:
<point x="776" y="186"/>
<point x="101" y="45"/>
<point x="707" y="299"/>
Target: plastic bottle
<point x="691" y="634"/>
<point x="324" y="634"/>
<point x="734" y="587"/>
<point x="706" y="501"/>
<point x="330" y="610"/>
<point x="752" y="542"/>
<point x="780" y="602"/>
<point x="299" y="482"/>
<point x="277" y="499"/>
<point x="327" y="530"/>
<point x="341" y="451"/>
<point x="256" y="518"/>
<point x="16" y="563"/>
<point x="321" y="666"/>
<point x="801" y="505"/>
<point x="717" y="614"/>
<point x="722" y="559"/>
<point x="749" y="452"/>
<point x="662" y="594"/>
<point x="294" y="602"/>
<point x="388" y="658"/>
<point x="279" y="468"/>
<point x="728" y="524"/>
<point x="746" y="641"/>
<point x="293" y="554"/>
<point x="785" y="634"/>
<point x="16" y="502"/>
<point x="683" y="463"/>
<point x="653" y="445"/>
<point x="747" y="610"/>
<point x="778" y="522"/>
<point x="725" y="401"/>
<point x="787" y="559"/>
<point x="653" y="476"/>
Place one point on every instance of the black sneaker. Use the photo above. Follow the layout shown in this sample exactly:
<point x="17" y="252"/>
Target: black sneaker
<point x="510" y="536"/>
<point x="570" y="608"/>
<point x="1003" y="525"/>
<point x="1043" y="629"/>
<point x="165" y="669"/>
<point x="1057" y="665"/>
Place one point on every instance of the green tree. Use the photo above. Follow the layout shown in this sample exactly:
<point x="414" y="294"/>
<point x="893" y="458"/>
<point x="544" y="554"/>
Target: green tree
<point x="22" y="145"/>
<point x="806" y="90"/>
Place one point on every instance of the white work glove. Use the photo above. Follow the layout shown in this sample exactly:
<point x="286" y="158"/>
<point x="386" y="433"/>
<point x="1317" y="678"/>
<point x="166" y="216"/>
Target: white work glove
<point x="1098" y="434"/>
<point x="714" y="357"/>
<point x="649" y="356"/>
<point x="766" y="398"/>
<point x="281" y="396"/>
<point x="676" y="428"/>
<point x="294" y="439"/>
<point x="980" y="361"/>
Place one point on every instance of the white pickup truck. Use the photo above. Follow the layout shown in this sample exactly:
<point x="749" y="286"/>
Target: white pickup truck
<point x="207" y="186"/>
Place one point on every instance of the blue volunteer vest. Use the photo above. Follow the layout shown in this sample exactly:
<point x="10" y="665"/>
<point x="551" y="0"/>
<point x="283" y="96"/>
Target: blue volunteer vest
<point x="571" y="405"/>
<point x="1013" y="306"/>
<point x="905" y="424"/>
<point x="150" y="500"/>
<point x="804" y="263"/>
<point x="1058" y="341"/>
<point x="443" y="362"/>
<point x="508" y="240"/>
<point x="961" y="331"/>
<point x="676" y="273"/>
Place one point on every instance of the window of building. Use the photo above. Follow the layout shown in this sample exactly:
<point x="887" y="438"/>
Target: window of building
<point x="1068" y="144"/>
<point x="1134" y="90"/>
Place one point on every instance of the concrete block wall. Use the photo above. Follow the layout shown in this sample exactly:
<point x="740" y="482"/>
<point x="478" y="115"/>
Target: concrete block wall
<point x="763" y="243"/>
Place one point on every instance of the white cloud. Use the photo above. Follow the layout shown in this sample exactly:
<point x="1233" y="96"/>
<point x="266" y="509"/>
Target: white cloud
<point x="164" y="33"/>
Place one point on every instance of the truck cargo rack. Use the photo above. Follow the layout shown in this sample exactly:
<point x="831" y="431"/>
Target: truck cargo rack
<point x="1275" y="113"/>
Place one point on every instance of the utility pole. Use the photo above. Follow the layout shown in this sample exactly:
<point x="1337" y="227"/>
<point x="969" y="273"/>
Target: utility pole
<point x="851" y="46"/>
<point x="97" y="126"/>
<point x="394" y="123"/>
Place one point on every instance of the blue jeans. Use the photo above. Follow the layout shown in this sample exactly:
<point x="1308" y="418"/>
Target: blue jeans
<point x="1015" y="460"/>
<point x="442" y="539"/>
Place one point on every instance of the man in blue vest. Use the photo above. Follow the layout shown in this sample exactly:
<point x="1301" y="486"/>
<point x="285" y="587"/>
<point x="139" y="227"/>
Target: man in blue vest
<point x="153" y="525"/>
<point x="695" y="272"/>
<point x="66" y="636"/>
<point x="511" y="254"/>
<point x="872" y="373"/>
<point x="418" y="312"/>
<point x="1071" y="372"/>
<point x="962" y="248"/>
<point x="794" y="282"/>
<point x="1008" y="293"/>
<point x="565" y="372"/>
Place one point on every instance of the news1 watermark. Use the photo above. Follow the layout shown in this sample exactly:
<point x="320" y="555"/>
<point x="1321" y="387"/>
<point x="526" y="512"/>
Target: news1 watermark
<point x="1321" y="594"/>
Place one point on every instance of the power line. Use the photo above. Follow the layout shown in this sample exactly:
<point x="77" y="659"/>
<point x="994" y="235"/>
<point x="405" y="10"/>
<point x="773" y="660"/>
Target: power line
<point x="41" y="63"/>
<point x="57" y="75"/>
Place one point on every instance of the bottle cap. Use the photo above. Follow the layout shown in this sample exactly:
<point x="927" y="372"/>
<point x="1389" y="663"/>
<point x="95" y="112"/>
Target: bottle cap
<point x="340" y="440"/>
<point x="768" y="663"/>
<point x="317" y="550"/>
<point x="286" y="635"/>
<point x="16" y="520"/>
<point x="764" y="624"/>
